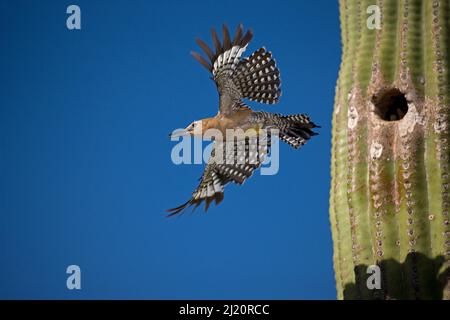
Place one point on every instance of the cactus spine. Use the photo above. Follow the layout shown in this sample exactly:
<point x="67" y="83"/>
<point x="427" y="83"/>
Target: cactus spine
<point x="389" y="200"/>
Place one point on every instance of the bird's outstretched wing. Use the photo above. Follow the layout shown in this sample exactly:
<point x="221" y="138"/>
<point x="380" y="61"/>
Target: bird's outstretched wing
<point x="229" y="162"/>
<point x="256" y="77"/>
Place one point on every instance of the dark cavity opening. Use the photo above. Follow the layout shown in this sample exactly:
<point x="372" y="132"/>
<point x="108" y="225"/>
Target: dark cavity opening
<point x="390" y="105"/>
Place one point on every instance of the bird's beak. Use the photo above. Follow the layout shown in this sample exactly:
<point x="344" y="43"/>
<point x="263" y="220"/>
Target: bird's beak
<point x="178" y="133"/>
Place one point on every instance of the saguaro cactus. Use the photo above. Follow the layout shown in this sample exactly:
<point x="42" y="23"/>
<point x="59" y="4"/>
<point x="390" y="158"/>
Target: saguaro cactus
<point x="389" y="200"/>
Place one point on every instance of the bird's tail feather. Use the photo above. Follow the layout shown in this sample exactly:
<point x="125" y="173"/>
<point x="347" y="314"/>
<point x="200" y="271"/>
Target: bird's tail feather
<point x="296" y="129"/>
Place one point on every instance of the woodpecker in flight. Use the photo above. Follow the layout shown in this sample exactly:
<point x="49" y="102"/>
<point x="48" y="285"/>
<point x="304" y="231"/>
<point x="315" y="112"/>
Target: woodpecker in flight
<point x="256" y="78"/>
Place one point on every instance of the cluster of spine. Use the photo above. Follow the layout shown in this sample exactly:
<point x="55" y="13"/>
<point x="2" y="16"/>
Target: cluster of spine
<point x="389" y="200"/>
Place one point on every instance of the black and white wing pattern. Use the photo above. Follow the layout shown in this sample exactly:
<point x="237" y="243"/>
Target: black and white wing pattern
<point x="256" y="78"/>
<point x="229" y="162"/>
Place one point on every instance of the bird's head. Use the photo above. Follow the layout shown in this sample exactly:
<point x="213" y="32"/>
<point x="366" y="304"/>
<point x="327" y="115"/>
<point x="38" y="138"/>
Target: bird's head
<point x="194" y="129"/>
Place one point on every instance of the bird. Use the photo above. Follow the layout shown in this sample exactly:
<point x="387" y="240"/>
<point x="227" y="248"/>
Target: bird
<point x="256" y="78"/>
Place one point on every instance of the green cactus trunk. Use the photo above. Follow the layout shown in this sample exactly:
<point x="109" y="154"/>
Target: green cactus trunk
<point x="389" y="200"/>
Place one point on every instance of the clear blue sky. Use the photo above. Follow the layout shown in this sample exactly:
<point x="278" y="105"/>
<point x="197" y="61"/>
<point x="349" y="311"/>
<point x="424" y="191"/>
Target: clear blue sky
<point x="85" y="167"/>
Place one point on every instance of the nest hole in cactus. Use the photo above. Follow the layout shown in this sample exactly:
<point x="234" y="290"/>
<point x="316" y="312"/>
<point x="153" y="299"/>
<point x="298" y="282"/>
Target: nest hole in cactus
<point x="390" y="104"/>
